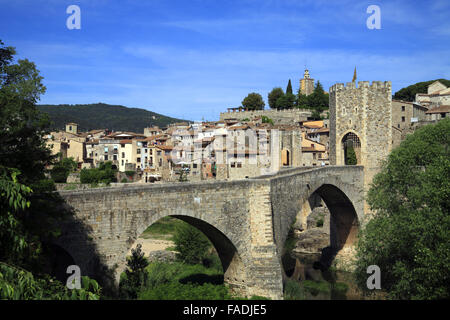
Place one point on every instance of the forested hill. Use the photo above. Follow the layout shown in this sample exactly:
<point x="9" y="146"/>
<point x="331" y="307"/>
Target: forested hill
<point x="409" y="93"/>
<point x="104" y="116"/>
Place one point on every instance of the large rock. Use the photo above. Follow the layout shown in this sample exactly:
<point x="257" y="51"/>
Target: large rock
<point x="162" y="256"/>
<point x="312" y="241"/>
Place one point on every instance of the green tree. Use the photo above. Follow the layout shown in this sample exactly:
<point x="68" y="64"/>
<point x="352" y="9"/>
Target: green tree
<point x="105" y="173"/>
<point x="23" y="150"/>
<point x="289" y="88"/>
<point x="62" y="169"/>
<point x="409" y="93"/>
<point x="408" y="236"/>
<point x="273" y="97"/>
<point x="22" y="127"/>
<point x="286" y="101"/>
<point x="253" y="101"/>
<point x="192" y="245"/>
<point x="136" y="276"/>
<point x="302" y="101"/>
<point x="13" y="202"/>
<point x="318" y="100"/>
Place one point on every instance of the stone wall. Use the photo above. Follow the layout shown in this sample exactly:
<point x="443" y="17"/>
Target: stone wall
<point x="290" y="116"/>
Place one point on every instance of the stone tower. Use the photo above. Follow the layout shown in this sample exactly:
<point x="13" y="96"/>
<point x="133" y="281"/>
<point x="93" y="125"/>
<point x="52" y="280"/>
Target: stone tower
<point x="306" y="84"/>
<point x="72" y="128"/>
<point x="361" y="119"/>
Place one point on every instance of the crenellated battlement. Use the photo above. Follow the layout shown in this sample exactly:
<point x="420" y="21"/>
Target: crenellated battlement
<point x="376" y="85"/>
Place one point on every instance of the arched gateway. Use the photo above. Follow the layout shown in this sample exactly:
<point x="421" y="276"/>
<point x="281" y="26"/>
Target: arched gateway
<point x="247" y="221"/>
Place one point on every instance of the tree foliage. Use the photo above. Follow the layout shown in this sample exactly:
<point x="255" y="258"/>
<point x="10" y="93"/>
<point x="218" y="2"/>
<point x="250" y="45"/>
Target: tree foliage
<point x="29" y="207"/>
<point x="273" y="97"/>
<point x="105" y="173"/>
<point x="136" y="276"/>
<point x="13" y="202"/>
<point x="192" y="245"/>
<point x="20" y="284"/>
<point x="289" y="88"/>
<point x="253" y="101"/>
<point x="317" y="101"/>
<point x="286" y="101"/>
<point x="62" y="169"/>
<point x="408" y="237"/>
<point x="409" y="93"/>
<point x="351" y="156"/>
<point x="104" y="116"/>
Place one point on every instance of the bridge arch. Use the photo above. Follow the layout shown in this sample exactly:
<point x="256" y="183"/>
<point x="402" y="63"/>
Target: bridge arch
<point x="342" y="195"/>
<point x="232" y="265"/>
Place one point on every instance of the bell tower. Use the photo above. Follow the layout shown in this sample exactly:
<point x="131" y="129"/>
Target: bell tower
<point x="306" y="84"/>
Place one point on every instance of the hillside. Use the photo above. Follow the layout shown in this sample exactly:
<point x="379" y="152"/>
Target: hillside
<point x="104" y="116"/>
<point x="409" y="93"/>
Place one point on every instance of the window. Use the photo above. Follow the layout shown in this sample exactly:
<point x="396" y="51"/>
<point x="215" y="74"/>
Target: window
<point x="239" y="165"/>
<point x="138" y="159"/>
<point x="194" y="166"/>
<point x="160" y="162"/>
<point x="151" y="151"/>
<point x="115" y="157"/>
<point x="106" y="157"/>
<point x="138" y="151"/>
<point x="106" y="149"/>
<point x="403" y="119"/>
<point x="123" y="154"/>
<point x="314" y="156"/>
<point x="403" y="108"/>
<point x="122" y="162"/>
<point x="233" y="164"/>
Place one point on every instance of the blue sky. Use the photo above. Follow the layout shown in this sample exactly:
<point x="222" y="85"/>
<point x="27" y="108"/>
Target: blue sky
<point x="194" y="59"/>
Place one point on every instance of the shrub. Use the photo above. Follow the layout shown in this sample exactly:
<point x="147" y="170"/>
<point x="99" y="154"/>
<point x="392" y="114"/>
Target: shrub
<point x="293" y="290"/>
<point x="319" y="222"/>
<point x="124" y="180"/>
<point x="316" y="287"/>
<point x="59" y="174"/>
<point x="103" y="174"/>
<point x="339" y="290"/>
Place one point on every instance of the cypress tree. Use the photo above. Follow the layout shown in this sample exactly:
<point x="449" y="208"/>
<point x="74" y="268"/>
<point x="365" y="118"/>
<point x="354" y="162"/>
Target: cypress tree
<point x="289" y="88"/>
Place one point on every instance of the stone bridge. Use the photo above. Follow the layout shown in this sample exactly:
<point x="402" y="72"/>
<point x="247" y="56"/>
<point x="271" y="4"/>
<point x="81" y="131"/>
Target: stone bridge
<point x="247" y="221"/>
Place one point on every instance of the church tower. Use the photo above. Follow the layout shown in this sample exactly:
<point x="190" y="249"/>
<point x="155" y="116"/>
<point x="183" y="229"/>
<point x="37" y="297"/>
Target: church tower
<point x="306" y="84"/>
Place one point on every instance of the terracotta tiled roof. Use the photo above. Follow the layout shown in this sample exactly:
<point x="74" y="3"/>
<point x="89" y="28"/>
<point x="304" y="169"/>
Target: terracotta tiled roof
<point x="440" y="109"/>
<point x="164" y="147"/>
